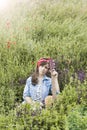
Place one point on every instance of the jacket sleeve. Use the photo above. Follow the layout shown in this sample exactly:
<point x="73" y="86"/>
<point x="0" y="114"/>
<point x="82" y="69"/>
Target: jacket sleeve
<point x="26" y="92"/>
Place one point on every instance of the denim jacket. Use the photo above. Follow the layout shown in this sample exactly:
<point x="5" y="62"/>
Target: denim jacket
<point x="38" y="92"/>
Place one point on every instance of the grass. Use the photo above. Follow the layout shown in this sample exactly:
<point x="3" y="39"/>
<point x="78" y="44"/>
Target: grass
<point x="30" y="31"/>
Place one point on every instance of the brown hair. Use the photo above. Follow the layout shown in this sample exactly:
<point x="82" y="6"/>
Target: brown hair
<point x="35" y="74"/>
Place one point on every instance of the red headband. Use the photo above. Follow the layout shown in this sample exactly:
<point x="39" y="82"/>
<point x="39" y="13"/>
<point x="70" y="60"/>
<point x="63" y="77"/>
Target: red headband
<point x="42" y="60"/>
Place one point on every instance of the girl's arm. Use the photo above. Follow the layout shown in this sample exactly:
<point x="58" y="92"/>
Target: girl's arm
<point x="26" y="93"/>
<point x="28" y="100"/>
<point x="55" y="84"/>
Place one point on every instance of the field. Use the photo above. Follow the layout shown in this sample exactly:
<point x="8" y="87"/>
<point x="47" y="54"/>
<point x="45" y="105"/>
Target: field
<point x="47" y="28"/>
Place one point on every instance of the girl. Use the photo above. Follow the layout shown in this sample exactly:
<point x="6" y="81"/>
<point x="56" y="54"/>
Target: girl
<point x="39" y="85"/>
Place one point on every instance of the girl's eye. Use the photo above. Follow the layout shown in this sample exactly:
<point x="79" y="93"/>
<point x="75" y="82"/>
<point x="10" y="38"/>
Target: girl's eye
<point x="46" y="67"/>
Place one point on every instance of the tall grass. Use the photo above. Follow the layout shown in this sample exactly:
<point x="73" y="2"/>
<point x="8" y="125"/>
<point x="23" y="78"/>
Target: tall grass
<point x="38" y="29"/>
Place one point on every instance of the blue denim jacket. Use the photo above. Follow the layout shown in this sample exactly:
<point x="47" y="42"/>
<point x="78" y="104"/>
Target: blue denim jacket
<point x="37" y="92"/>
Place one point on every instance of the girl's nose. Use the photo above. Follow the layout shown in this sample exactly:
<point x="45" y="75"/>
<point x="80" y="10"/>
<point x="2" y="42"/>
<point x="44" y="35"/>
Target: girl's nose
<point x="43" y="68"/>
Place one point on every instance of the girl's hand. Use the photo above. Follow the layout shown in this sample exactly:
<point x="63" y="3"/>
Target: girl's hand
<point x="48" y="101"/>
<point x="54" y="74"/>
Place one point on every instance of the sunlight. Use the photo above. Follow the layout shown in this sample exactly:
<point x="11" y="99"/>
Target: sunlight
<point x="4" y="4"/>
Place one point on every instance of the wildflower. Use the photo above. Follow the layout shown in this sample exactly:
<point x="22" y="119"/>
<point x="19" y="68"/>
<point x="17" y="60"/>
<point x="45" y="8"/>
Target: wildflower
<point x="8" y="44"/>
<point x="81" y="75"/>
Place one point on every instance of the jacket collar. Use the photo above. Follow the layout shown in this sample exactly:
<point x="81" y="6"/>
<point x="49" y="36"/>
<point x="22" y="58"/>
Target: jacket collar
<point x="45" y="78"/>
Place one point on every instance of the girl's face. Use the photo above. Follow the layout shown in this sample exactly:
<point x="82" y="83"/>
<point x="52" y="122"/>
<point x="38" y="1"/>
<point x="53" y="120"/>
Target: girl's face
<point x="43" y="69"/>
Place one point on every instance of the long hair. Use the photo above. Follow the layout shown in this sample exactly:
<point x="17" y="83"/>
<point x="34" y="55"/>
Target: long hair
<point x="36" y="74"/>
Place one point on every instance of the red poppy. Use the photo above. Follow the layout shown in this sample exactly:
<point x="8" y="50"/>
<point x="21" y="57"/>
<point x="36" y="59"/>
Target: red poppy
<point x="8" y="42"/>
<point x="8" y="46"/>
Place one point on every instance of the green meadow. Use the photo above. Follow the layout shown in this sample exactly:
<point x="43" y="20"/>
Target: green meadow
<point x="33" y="29"/>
